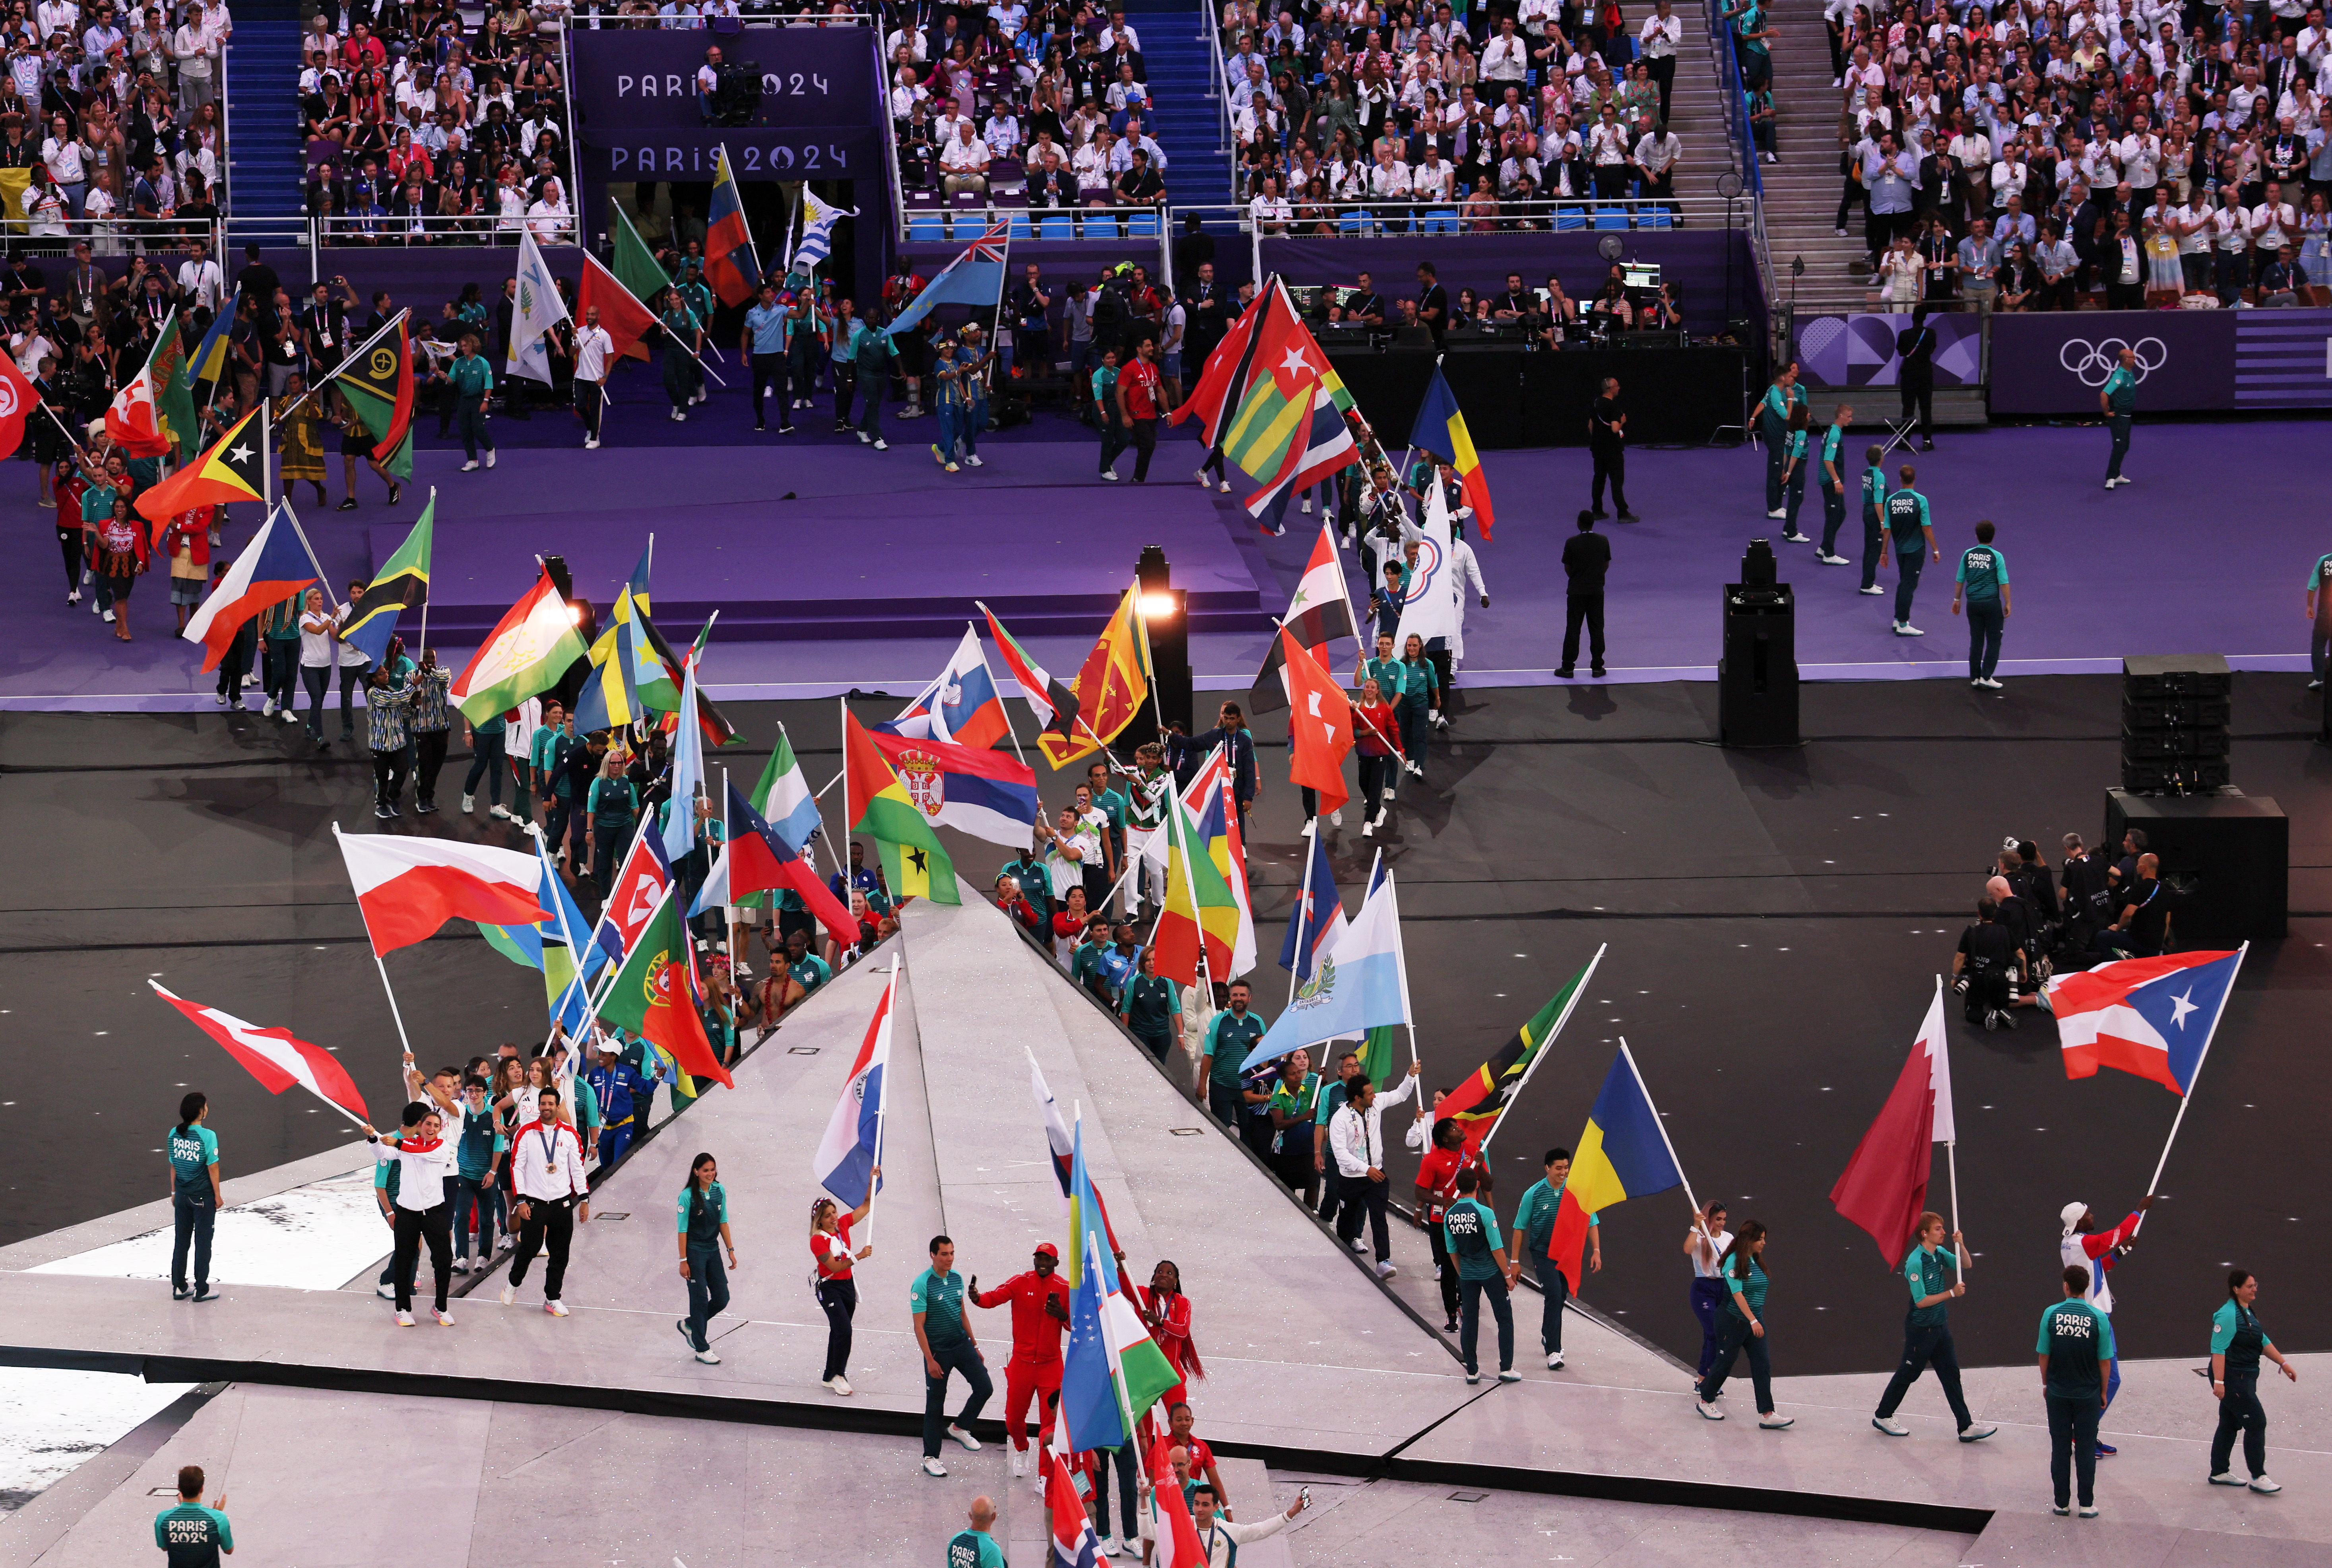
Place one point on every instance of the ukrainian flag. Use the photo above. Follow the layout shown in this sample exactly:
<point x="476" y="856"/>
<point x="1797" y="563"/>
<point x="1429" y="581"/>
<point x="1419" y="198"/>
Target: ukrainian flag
<point x="1440" y="429"/>
<point x="1623" y="1153"/>
<point x="210" y="358"/>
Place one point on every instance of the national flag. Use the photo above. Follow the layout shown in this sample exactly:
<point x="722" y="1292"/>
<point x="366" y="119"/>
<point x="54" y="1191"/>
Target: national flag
<point x="1093" y="1412"/>
<point x="687" y="775"/>
<point x="273" y="567"/>
<point x="756" y="858"/>
<point x="274" y="1056"/>
<point x="1362" y="984"/>
<point x="409" y="887"/>
<point x="1476" y="1104"/>
<point x="961" y="705"/>
<point x="1884" y="1189"/>
<point x="730" y="264"/>
<point x="976" y="277"/>
<point x="639" y="886"/>
<point x="875" y="803"/>
<point x="1111" y="687"/>
<point x="1440" y="429"/>
<point x="1320" y="732"/>
<point x="535" y="308"/>
<point x="624" y="669"/>
<point x="19" y="400"/>
<point x="1063" y="1149"/>
<point x="526" y="654"/>
<point x="1321" y="448"/>
<point x="1273" y="405"/>
<point x="986" y="794"/>
<point x="637" y="268"/>
<point x="1318" y="915"/>
<point x="209" y="362"/>
<point x="1428" y="609"/>
<point x="1055" y="705"/>
<point x="621" y="315"/>
<point x="1201" y="913"/>
<point x="783" y="795"/>
<point x="1144" y="1375"/>
<point x="1224" y="375"/>
<point x="134" y="420"/>
<point x="817" y="220"/>
<point x="1073" y="1545"/>
<point x="1623" y="1153"/>
<point x="1178" y="1533"/>
<point x="1319" y="612"/>
<point x="570" y="959"/>
<point x="401" y="582"/>
<point x="846" y="1155"/>
<point x="174" y="394"/>
<point x="378" y="384"/>
<point x="654" y="995"/>
<point x="2152" y="1017"/>
<point x="234" y="468"/>
<point x="1217" y="836"/>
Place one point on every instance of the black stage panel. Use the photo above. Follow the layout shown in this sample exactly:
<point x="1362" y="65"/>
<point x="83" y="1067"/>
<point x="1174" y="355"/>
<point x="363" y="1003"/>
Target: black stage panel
<point x="1515" y="398"/>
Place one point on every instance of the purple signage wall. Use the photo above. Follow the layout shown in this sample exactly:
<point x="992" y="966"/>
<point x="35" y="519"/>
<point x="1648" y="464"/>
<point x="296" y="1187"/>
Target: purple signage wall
<point x="821" y="115"/>
<point x="1860" y="351"/>
<point x="2055" y="362"/>
<point x="2283" y="358"/>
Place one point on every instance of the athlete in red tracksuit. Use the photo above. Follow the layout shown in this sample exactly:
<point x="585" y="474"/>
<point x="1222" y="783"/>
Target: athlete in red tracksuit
<point x="1040" y="1311"/>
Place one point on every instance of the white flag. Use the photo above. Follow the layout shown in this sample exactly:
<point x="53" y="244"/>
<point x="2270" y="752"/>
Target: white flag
<point x="1428" y="609"/>
<point x="1936" y="1043"/>
<point x="537" y="308"/>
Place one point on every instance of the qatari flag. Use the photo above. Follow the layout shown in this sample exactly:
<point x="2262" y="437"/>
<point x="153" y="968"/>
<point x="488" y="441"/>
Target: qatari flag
<point x="274" y="1056"/>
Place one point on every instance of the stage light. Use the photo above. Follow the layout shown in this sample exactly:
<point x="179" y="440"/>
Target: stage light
<point x="1158" y="606"/>
<point x="575" y="615"/>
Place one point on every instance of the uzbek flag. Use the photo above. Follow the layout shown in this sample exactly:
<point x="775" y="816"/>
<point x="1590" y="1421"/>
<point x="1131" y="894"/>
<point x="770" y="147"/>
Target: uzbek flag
<point x="1622" y="1155"/>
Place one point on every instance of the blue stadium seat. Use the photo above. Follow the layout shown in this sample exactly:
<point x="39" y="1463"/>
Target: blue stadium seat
<point x="926" y="226"/>
<point x="1440" y="222"/>
<point x="1570" y="220"/>
<point x="1611" y="217"/>
<point x="1141" y="225"/>
<point x="1355" y="222"/>
<point x="1057" y="226"/>
<point x="1021" y="228"/>
<point x="1654" y="219"/>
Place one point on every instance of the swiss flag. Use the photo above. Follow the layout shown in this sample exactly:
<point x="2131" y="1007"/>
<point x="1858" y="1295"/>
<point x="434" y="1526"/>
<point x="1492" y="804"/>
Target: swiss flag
<point x="1320" y="725"/>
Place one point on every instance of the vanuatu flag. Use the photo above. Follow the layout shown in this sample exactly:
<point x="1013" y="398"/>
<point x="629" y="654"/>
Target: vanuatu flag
<point x="1622" y="1155"/>
<point x="380" y="388"/>
<point x="1477" y="1103"/>
<point x="233" y="469"/>
<point x="1110" y="688"/>
<point x="402" y="582"/>
<point x="654" y="995"/>
<point x="877" y="804"/>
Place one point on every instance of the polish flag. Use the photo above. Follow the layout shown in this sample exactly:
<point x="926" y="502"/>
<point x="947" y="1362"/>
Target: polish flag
<point x="409" y="887"/>
<point x="274" y="1056"/>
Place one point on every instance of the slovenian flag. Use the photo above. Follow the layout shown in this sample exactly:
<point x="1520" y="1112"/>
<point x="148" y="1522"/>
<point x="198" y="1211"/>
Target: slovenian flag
<point x="845" y="1162"/>
<point x="1623" y="1153"/>
<point x="961" y="705"/>
<point x="409" y="887"/>
<point x="2152" y="1017"/>
<point x="272" y="1056"/>
<point x="986" y="794"/>
<point x="757" y="859"/>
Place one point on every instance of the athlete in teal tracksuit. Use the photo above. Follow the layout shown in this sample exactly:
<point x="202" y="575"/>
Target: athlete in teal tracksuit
<point x="2118" y="399"/>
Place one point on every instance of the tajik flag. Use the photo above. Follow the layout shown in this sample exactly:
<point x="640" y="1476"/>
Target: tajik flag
<point x="274" y="1056"/>
<point x="2152" y="1017"/>
<point x="523" y="656"/>
<point x="845" y="1162"/>
<point x="409" y="887"/>
<point x="1319" y="613"/>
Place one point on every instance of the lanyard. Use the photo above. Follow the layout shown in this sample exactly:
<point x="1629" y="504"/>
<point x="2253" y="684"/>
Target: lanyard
<point x="550" y="1142"/>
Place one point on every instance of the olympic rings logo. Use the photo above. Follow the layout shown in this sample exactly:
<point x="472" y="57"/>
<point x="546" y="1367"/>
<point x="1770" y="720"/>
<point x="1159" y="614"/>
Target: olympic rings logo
<point x="2094" y="362"/>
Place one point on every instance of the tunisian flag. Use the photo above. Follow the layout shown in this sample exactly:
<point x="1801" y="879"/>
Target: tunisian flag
<point x="409" y="887"/>
<point x="1320" y="728"/>
<point x="274" y="1056"/>
<point x="1884" y="1187"/>
<point x="18" y="399"/>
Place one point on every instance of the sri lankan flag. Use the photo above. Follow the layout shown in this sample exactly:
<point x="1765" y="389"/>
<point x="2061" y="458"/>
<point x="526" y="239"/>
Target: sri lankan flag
<point x="380" y="388"/>
<point x="233" y="469"/>
<point x="876" y="803"/>
<point x="1476" y="1104"/>
<point x="402" y="582"/>
<point x="1110" y="689"/>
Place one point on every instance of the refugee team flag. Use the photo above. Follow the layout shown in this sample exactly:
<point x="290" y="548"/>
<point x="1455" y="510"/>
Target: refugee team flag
<point x="274" y="1057"/>
<point x="1623" y="1153"/>
<point x="852" y="1144"/>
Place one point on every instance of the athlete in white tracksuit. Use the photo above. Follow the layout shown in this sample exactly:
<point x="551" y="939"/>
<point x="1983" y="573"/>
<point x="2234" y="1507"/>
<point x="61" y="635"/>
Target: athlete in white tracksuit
<point x="1465" y="578"/>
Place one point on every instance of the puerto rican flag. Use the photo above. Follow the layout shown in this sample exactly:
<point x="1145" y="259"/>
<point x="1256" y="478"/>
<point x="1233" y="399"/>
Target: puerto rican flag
<point x="847" y="1156"/>
<point x="2151" y="1016"/>
<point x="274" y="1056"/>
<point x="409" y="887"/>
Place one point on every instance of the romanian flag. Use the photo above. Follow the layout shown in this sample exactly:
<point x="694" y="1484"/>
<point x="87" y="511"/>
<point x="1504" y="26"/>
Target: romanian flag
<point x="875" y="803"/>
<point x="1622" y="1155"/>
<point x="1476" y="1104"/>
<point x="654" y="996"/>
<point x="1202" y="910"/>
<point x="729" y="264"/>
<point x="1440" y="429"/>
<point x="401" y="583"/>
<point x="233" y="469"/>
<point x="1110" y="689"/>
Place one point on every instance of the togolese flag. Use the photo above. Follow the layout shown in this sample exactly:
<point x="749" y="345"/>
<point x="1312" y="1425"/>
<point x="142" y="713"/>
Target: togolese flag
<point x="654" y="995"/>
<point x="1622" y="1155"/>
<point x="875" y="803"/>
<point x="522" y="657"/>
<point x="1111" y="687"/>
<point x="1477" y="1103"/>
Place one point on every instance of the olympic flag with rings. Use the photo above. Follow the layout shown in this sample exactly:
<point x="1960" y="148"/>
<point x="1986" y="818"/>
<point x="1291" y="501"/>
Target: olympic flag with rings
<point x="2055" y="362"/>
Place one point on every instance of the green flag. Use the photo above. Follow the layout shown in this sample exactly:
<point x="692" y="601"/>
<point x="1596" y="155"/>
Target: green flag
<point x="654" y="996"/>
<point x="174" y="395"/>
<point x="637" y="267"/>
<point x="402" y="582"/>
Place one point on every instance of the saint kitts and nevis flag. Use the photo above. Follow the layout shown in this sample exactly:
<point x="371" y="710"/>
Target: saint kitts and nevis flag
<point x="847" y="1154"/>
<point x="654" y="995"/>
<point x="274" y="1056"/>
<point x="378" y="384"/>
<point x="878" y="805"/>
<point x="1623" y="1153"/>
<point x="1476" y="1104"/>
<point x="524" y="656"/>
<point x="401" y="582"/>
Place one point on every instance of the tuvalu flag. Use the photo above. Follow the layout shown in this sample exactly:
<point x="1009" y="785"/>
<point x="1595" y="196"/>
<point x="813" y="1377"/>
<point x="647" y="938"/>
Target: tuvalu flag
<point x="875" y="803"/>
<point x="234" y="468"/>
<point x="1476" y="1104"/>
<point x="378" y="384"/>
<point x="1111" y="687"/>
<point x="1440" y="429"/>
<point x="401" y="583"/>
<point x="1623" y="1153"/>
<point x="654" y="995"/>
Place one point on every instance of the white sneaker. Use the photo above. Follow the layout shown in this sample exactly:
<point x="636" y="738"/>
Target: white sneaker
<point x="1905" y="629"/>
<point x="1368" y="829"/>
<point x="1990" y="683"/>
<point x="974" y="460"/>
<point x="250" y="680"/>
<point x="1828" y="559"/>
<point x="490" y="457"/>
<point x="708" y="1358"/>
<point x="970" y="1444"/>
<point x="1873" y="589"/>
<point x="460" y="1266"/>
<point x="1380" y="816"/>
<point x="1336" y="817"/>
<point x="2264" y="1487"/>
<point x="267" y="709"/>
<point x="1385" y="1270"/>
<point x="1357" y="1245"/>
<point x="1019" y="1464"/>
<point x="1777" y="512"/>
<point x="385" y="1292"/>
<point x="2226" y="1479"/>
<point x="289" y="717"/>
<point x="1307" y="506"/>
<point x="840" y="1384"/>
<point x="1226" y="487"/>
<point x="469" y="804"/>
<point x="880" y="445"/>
<point x="1203" y="478"/>
<point x="864" y="438"/>
<point x="404" y="1320"/>
<point x="934" y="1468"/>
<point x="509" y="1295"/>
<point x="505" y="812"/>
<point x="2088" y="1510"/>
<point x="74" y="597"/>
<point x="1554" y="1361"/>
<point x="1708" y="1412"/>
<point x="556" y="1308"/>
<point x="1891" y="1428"/>
<point x="1111" y="1546"/>
<point x="221" y="696"/>
<point x="590" y="443"/>
<point x="445" y="1319"/>
<point x="470" y="466"/>
<point x="1109" y="475"/>
<point x="678" y="418"/>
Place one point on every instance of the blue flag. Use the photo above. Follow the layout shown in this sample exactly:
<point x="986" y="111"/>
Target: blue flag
<point x="974" y="278"/>
<point x="687" y="775"/>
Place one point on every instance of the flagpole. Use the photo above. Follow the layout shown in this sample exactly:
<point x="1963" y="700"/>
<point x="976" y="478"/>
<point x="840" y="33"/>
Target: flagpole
<point x="881" y="1108"/>
<point x="558" y="1008"/>
<point x="1665" y="1140"/>
<point x="321" y="580"/>
<point x="353" y="356"/>
<point x="1303" y="906"/>
<point x="1539" y="1055"/>
<point x="394" y="1011"/>
<point x="2183" y="1100"/>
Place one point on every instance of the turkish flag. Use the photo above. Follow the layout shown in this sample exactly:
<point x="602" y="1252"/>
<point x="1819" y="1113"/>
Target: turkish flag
<point x="1320" y="725"/>
<point x="18" y="398"/>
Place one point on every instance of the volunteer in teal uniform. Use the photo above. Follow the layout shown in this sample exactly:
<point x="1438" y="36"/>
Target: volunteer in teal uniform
<point x="2117" y="400"/>
<point x="1534" y="1223"/>
<point x="1911" y="530"/>
<point x="1773" y="426"/>
<point x="1830" y="472"/>
<point x="974" y="1547"/>
<point x="1741" y="1328"/>
<point x="936" y="1302"/>
<point x="2236" y="1343"/>
<point x="1793" y="474"/>
<point x="2319" y="618"/>
<point x="2077" y="1353"/>
<point x="1469" y="1231"/>
<point x="1874" y="523"/>
<point x="194" y="1196"/>
<point x="1927" y="1329"/>
<point x="1229" y="1037"/>
<point x="1983" y="580"/>
<point x="1152" y="1007"/>
<point x="192" y="1536"/>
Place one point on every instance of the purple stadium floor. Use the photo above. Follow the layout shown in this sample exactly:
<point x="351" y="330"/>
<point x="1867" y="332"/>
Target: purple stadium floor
<point x="860" y="577"/>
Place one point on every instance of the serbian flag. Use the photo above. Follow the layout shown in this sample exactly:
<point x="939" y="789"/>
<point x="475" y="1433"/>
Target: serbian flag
<point x="986" y="794"/>
<point x="2152" y="1017"/>
<point x="845" y="1162"/>
<point x="1884" y="1189"/>
<point x="1623" y="1153"/>
<point x="757" y="859"/>
<point x="729" y="264"/>
<point x="272" y="567"/>
<point x="1320" y="731"/>
<point x="272" y="1056"/>
<point x="1440" y="429"/>
<point x="130" y="418"/>
<point x="409" y="887"/>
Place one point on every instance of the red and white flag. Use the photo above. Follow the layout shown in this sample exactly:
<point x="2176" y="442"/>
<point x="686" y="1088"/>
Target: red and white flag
<point x="1320" y="731"/>
<point x="409" y="887"/>
<point x="1319" y="613"/>
<point x="130" y="418"/>
<point x="19" y="398"/>
<point x="1178" y="1533"/>
<point x="1073" y="1545"/>
<point x="1884" y="1187"/>
<point x="274" y="1056"/>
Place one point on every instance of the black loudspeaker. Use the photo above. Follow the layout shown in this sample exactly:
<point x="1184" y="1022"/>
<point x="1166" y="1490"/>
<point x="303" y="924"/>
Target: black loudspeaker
<point x="2226" y="859"/>
<point x="1757" y="675"/>
<point x="2174" y="712"/>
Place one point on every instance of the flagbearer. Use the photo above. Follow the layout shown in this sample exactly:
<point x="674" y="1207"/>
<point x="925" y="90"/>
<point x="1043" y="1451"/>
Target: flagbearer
<point x="553" y="1197"/>
<point x="2095" y="1252"/>
<point x="1469" y="1231"/>
<point x="1534" y="1223"/>
<point x="594" y="349"/>
<point x="2077" y="1376"/>
<point x="1927" y="1330"/>
<point x="1039" y="1299"/>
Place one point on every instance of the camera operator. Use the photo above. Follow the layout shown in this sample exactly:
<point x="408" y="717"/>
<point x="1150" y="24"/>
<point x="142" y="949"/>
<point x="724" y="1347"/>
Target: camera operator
<point x="1985" y="968"/>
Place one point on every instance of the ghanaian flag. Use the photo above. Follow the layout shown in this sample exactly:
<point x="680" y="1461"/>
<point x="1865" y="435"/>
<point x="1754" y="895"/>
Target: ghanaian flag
<point x="874" y="802"/>
<point x="1476" y="1104"/>
<point x="233" y="469"/>
<point x="1110" y="689"/>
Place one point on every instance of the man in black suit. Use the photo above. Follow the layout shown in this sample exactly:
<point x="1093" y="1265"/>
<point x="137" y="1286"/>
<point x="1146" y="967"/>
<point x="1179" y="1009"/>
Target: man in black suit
<point x="1053" y="185"/>
<point x="1586" y="558"/>
<point x="1914" y="347"/>
<point x="1209" y="315"/>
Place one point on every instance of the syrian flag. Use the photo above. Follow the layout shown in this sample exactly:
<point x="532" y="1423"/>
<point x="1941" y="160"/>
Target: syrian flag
<point x="2152" y="1017"/>
<point x="1319" y="613"/>
<point x="1055" y="705"/>
<point x="273" y="1058"/>
<point x="847" y="1156"/>
<point x="1072" y="1538"/>
<point x="409" y="887"/>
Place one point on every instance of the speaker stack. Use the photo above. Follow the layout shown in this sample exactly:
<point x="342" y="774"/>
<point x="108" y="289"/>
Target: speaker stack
<point x="2174" y="715"/>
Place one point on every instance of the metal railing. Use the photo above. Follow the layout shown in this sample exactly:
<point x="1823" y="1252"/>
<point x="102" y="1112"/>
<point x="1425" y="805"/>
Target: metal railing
<point x="1219" y="89"/>
<point x="611" y="18"/>
<point x="1733" y="93"/>
<point x="108" y="237"/>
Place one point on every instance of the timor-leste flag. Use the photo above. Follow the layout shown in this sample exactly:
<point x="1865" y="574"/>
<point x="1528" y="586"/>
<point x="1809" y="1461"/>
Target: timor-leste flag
<point x="878" y="805"/>
<point x="1622" y="1155"/>
<point x="1477" y="1103"/>
<point x="1110" y="688"/>
<point x="654" y="995"/>
<point x="233" y="469"/>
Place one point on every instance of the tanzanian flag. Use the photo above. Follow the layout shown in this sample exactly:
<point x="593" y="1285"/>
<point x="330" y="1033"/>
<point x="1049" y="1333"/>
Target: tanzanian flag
<point x="1622" y="1155"/>
<point x="1476" y="1104"/>
<point x="875" y="803"/>
<point x="380" y="388"/>
<point x="402" y="582"/>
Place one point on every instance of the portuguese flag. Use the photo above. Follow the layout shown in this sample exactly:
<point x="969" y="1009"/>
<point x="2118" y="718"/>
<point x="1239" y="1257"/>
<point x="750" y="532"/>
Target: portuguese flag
<point x="1476" y="1104"/>
<point x="877" y="804"/>
<point x="655" y="996"/>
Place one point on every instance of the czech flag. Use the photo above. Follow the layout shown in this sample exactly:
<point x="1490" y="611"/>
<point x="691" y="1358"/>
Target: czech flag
<point x="272" y="1056"/>
<point x="986" y="794"/>
<point x="409" y="887"/>
<point x="1440" y="429"/>
<point x="1623" y="1153"/>
<point x="729" y="264"/>
<point x="845" y="1162"/>
<point x="271" y="568"/>
<point x="757" y="859"/>
<point x="2152" y="1017"/>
